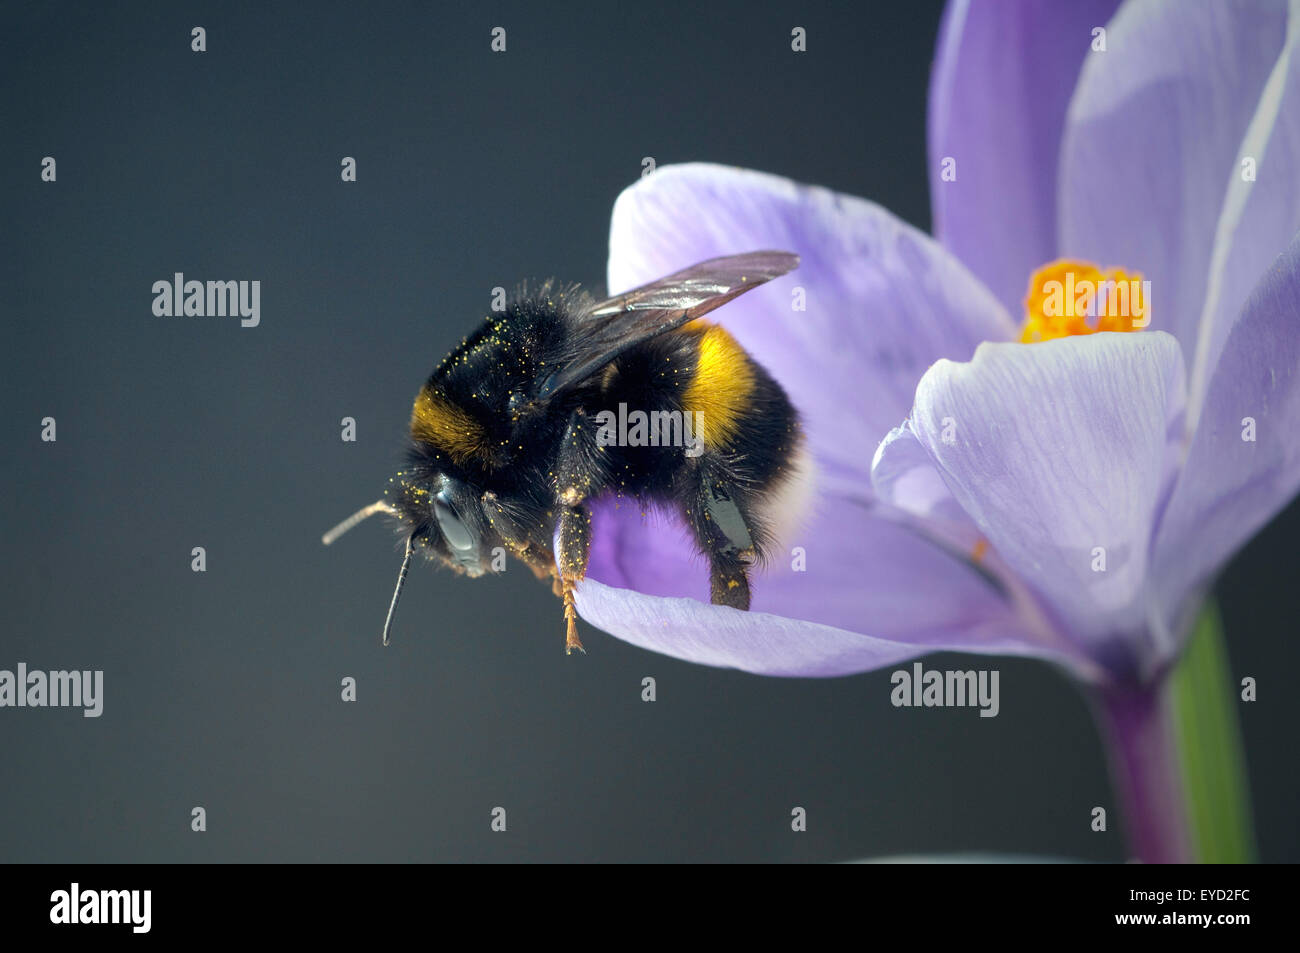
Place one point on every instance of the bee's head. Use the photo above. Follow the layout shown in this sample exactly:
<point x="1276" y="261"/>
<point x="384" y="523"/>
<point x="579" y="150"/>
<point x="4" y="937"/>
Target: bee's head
<point x="439" y="513"/>
<point x="443" y="515"/>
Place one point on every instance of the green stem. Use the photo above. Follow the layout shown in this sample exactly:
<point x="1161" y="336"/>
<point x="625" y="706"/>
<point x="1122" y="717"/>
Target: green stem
<point x="1204" y="708"/>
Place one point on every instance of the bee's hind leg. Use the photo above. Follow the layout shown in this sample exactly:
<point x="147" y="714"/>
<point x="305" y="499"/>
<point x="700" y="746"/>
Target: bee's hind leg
<point x="728" y="582"/>
<point x="722" y="531"/>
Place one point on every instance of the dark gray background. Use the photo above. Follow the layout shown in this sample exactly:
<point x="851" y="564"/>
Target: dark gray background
<point x="475" y="170"/>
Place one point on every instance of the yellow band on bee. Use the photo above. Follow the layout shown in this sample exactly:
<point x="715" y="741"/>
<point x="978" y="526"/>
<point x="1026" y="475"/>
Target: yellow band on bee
<point x="436" y="421"/>
<point x="720" y="390"/>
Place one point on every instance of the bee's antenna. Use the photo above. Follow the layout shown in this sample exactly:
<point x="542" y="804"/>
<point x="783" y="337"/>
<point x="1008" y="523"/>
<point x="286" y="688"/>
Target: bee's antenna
<point x="401" y="581"/>
<point x="381" y="506"/>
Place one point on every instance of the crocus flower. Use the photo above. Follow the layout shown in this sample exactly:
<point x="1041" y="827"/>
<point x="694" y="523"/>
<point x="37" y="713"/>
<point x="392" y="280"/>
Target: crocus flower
<point x="985" y="484"/>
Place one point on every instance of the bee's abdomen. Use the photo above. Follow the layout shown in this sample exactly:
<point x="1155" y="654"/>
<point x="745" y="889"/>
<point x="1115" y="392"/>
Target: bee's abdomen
<point x="739" y="413"/>
<point x="721" y="392"/>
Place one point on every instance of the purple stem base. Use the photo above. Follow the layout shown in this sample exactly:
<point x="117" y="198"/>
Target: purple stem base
<point x="1146" y="772"/>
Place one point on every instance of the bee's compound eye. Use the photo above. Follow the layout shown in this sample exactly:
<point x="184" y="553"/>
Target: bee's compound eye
<point x="454" y="531"/>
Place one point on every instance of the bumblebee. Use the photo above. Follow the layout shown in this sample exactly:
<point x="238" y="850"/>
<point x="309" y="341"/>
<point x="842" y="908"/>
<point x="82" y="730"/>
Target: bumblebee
<point x="512" y="437"/>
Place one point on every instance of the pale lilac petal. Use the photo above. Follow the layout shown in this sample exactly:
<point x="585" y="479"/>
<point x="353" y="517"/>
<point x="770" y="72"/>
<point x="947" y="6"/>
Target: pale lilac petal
<point x="1152" y="139"/>
<point x="904" y="476"/>
<point x="859" y="593"/>
<point x="1260" y="214"/>
<point x="766" y="643"/>
<point x="1231" y="486"/>
<point x="1002" y="79"/>
<point x="884" y="301"/>
<point x="853" y="569"/>
<point x="1058" y="449"/>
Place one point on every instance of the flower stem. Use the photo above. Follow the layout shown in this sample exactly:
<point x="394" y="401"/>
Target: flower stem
<point x="1204" y="706"/>
<point x="1146" y="772"/>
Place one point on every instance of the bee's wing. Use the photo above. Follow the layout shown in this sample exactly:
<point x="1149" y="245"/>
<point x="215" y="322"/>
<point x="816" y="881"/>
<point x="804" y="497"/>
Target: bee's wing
<point x="609" y="327"/>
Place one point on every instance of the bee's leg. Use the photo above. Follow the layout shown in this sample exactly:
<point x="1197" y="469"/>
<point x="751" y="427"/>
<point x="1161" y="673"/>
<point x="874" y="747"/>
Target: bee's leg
<point x="574" y="548"/>
<point x="580" y="464"/>
<point x="504" y="525"/>
<point x="723" y="533"/>
<point x="579" y="475"/>
<point x="728" y="583"/>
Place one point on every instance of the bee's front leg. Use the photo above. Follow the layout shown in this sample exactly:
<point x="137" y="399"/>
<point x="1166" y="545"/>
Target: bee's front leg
<point x="579" y="475"/>
<point x="574" y="547"/>
<point x="580" y="465"/>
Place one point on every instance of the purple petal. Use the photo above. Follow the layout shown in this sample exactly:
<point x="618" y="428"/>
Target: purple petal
<point x="1231" y="486"/>
<point x="904" y="476"/>
<point x="883" y="300"/>
<point x="851" y="588"/>
<point x="1056" y="449"/>
<point x="1152" y="139"/>
<point x="766" y="643"/>
<point x="1002" y="79"/>
<point x="854" y="570"/>
<point x="1260" y="214"/>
